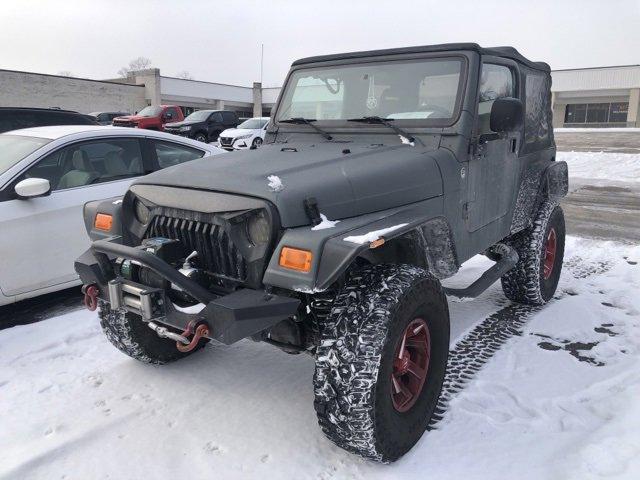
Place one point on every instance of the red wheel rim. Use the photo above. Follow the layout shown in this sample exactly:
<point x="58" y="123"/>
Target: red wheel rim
<point x="550" y="247"/>
<point x="410" y="365"/>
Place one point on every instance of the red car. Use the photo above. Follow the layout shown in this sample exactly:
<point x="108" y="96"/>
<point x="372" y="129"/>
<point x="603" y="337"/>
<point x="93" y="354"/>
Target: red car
<point x="151" y="118"/>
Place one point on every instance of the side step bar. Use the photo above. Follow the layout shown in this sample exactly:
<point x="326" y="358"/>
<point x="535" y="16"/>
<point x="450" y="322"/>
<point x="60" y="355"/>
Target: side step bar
<point x="508" y="258"/>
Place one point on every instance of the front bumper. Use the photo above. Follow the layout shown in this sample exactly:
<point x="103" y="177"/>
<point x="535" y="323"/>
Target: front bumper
<point x="230" y="317"/>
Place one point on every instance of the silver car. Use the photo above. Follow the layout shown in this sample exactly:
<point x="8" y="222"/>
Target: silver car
<point x="47" y="174"/>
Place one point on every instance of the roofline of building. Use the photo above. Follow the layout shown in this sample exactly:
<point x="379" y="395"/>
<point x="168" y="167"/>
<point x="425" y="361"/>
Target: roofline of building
<point x="595" y="68"/>
<point x="74" y="78"/>
<point x="214" y="83"/>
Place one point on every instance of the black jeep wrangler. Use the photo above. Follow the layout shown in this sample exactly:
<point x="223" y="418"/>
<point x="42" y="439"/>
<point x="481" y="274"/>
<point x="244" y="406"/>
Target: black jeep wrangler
<point x="382" y="172"/>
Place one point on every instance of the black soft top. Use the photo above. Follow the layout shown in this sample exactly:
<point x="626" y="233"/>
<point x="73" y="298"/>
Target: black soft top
<point x="506" y="52"/>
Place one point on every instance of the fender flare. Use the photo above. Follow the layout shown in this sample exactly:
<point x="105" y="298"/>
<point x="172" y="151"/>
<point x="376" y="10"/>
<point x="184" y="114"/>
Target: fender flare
<point x="555" y="184"/>
<point x="335" y="249"/>
<point x="111" y="206"/>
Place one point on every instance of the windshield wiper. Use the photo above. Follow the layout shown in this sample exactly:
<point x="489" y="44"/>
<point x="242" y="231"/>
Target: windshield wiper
<point x="386" y="122"/>
<point x="308" y="121"/>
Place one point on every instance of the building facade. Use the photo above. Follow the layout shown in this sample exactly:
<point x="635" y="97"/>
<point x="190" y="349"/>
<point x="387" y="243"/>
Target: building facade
<point x="596" y="97"/>
<point x="587" y="97"/>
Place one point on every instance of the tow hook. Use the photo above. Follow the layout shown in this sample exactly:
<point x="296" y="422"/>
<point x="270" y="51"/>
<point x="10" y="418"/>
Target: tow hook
<point x="182" y="339"/>
<point x="201" y="330"/>
<point x="90" y="297"/>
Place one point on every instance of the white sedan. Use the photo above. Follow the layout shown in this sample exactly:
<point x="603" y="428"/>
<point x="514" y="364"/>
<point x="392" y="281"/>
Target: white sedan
<point x="249" y="134"/>
<point x="47" y="174"/>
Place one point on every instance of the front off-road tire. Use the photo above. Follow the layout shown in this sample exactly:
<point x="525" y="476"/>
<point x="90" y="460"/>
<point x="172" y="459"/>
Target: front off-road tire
<point x="540" y="248"/>
<point x="356" y="399"/>
<point x="129" y="334"/>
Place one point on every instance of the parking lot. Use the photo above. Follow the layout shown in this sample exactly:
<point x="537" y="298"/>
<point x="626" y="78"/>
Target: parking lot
<point x="347" y="241"/>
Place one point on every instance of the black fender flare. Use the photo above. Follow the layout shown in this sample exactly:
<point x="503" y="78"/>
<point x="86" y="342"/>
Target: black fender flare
<point x="335" y="249"/>
<point x="555" y="181"/>
<point x="111" y="206"/>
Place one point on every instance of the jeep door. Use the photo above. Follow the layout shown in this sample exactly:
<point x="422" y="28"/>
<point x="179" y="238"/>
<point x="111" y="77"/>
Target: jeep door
<point x="41" y="237"/>
<point x="493" y="166"/>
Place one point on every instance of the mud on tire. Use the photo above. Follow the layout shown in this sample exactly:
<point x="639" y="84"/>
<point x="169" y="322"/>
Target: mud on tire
<point x="535" y="277"/>
<point x="355" y="360"/>
<point x="129" y="334"/>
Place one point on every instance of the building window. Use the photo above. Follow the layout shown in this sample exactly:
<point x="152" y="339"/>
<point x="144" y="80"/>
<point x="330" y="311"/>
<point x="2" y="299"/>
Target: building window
<point x="615" y="112"/>
<point x="618" y="112"/>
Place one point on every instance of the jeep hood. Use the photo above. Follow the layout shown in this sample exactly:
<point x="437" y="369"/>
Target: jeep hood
<point x="345" y="179"/>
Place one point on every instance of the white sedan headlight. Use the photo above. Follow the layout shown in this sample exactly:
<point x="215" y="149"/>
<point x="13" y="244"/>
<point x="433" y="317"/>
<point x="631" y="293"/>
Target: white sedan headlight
<point x="242" y="137"/>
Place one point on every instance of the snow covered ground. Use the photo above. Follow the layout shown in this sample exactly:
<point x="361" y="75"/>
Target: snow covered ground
<point x="547" y="393"/>
<point x="612" y="167"/>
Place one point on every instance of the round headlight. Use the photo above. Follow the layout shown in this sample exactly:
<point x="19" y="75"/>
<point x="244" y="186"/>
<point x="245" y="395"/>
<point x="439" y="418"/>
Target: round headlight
<point x="143" y="214"/>
<point x="258" y="229"/>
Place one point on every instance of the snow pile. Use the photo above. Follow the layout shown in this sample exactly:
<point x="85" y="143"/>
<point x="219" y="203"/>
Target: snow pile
<point x="325" y="223"/>
<point x="275" y="183"/>
<point x="406" y="141"/>
<point x="596" y="130"/>
<point x="623" y="167"/>
<point x="373" y="236"/>
<point x="558" y="400"/>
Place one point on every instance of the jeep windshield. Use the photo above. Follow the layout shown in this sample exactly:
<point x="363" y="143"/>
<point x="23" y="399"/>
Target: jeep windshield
<point x="419" y="92"/>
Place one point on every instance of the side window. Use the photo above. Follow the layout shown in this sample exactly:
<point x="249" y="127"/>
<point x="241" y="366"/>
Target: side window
<point x="496" y="82"/>
<point x="169" y="154"/>
<point x="171" y="114"/>
<point x="229" y="118"/>
<point x="537" y="108"/>
<point x="89" y="163"/>
<point x="216" y="117"/>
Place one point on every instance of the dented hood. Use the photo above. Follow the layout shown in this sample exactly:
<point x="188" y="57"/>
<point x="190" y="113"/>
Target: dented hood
<point x="346" y="179"/>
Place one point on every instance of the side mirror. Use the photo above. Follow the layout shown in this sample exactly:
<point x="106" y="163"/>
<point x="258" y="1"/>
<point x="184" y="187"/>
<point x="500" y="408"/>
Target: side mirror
<point x="33" y="187"/>
<point x="506" y="115"/>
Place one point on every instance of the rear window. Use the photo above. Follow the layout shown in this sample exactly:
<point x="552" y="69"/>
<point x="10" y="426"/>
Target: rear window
<point x="14" y="148"/>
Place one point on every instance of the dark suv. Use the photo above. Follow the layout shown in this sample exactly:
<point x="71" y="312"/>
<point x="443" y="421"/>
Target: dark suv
<point x="204" y="125"/>
<point x="14" y="118"/>
<point x="381" y="173"/>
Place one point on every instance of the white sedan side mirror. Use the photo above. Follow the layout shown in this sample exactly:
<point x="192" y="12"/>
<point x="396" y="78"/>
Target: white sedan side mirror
<point x="33" y="187"/>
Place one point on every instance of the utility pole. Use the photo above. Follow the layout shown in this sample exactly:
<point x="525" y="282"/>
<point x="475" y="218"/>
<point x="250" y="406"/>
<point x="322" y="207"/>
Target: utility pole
<point x="261" y="60"/>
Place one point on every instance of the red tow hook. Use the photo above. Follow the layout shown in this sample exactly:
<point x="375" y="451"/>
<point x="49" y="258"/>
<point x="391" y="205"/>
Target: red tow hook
<point x="201" y="330"/>
<point x="90" y="297"/>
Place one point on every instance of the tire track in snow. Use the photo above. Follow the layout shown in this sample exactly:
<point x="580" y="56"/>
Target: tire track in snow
<point x="468" y="356"/>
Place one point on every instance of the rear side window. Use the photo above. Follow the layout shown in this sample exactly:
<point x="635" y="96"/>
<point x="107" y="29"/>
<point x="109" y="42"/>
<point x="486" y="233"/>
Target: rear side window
<point x="537" y="111"/>
<point x="216" y="117"/>
<point x="229" y="117"/>
<point x="496" y="82"/>
<point x="170" y="154"/>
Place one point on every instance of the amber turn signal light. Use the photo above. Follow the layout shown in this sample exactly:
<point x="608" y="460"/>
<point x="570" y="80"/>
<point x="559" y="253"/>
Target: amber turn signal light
<point x="103" y="222"/>
<point x="296" y="259"/>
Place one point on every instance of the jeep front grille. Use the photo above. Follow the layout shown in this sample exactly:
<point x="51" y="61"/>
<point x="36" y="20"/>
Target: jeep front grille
<point x="216" y="252"/>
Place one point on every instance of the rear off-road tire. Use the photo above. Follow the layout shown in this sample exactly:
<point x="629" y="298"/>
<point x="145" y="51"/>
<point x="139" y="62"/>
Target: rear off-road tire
<point x="129" y="334"/>
<point x="359" y="405"/>
<point x="540" y="248"/>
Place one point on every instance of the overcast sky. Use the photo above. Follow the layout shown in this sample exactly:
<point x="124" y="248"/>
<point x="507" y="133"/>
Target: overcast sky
<point x="220" y="41"/>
